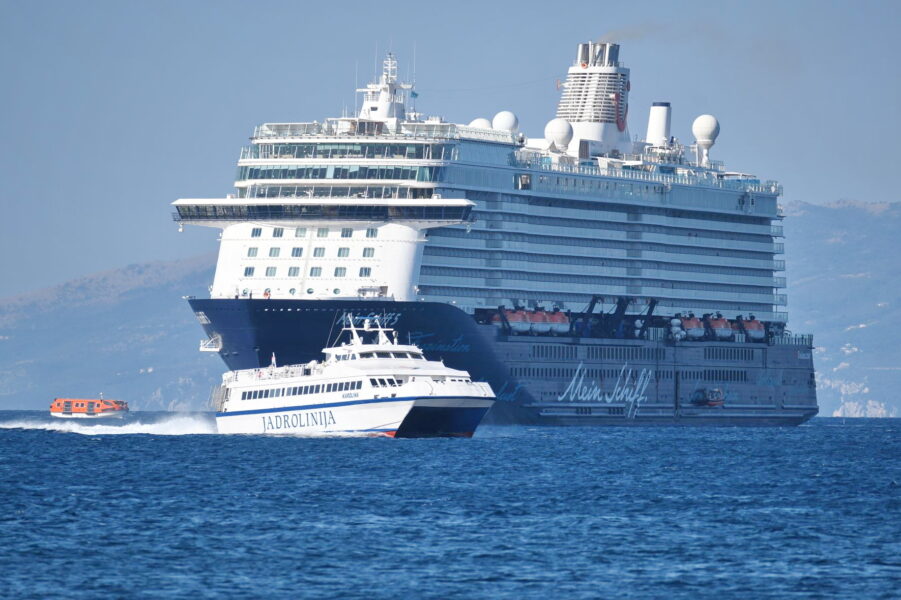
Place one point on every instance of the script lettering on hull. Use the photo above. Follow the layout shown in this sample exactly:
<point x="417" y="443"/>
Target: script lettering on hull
<point x="629" y="389"/>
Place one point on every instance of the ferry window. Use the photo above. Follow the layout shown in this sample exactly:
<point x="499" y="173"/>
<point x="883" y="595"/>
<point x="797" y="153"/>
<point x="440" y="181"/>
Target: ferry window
<point x="296" y="252"/>
<point x="270" y="271"/>
<point x="248" y="271"/>
<point x="374" y="383"/>
<point x="300" y="232"/>
<point x="382" y="382"/>
<point x="314" y="272"/>
<point x="367" y="355"/>
<point x="343" y="252"/>
<point x="317" y="389"/>
<point x="322" y="232"/>
<point x="383" y="354"/>
<point x="522" y="182"/>
<point x="368" y="252"/>
<point x="347" y="232"/>
<point x="251" y="252"/>
<point x="318" y="252"/>
<point x="372" y="232"/>
<point x="293" y="271"/>
<point x="278" y="232"/>
<point x="256" y="232"/>
<point x="365" y="271"/>
<point x="274" y="252"/>
<point x="340" y="271"/>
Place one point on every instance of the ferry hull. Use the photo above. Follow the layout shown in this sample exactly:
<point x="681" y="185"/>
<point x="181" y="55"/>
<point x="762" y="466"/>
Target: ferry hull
<point x="540" y="379"/>
<point x="393" y="417"/>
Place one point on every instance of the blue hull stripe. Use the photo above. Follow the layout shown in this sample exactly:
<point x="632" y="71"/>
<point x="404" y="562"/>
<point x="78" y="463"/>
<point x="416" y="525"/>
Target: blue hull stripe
<point x="259" y="411"/>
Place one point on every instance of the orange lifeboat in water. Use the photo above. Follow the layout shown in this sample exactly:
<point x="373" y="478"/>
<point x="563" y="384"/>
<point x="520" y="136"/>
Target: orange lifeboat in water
<point x="87" y="408"/>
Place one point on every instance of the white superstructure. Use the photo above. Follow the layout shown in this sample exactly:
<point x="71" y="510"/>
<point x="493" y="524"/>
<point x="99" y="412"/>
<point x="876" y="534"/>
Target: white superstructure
<point x="377" y="387"/>
<point x="390" y="204"/>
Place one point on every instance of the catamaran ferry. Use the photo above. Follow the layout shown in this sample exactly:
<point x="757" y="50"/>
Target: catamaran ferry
<point x="379" y="387"/>
<point x="590" y="277"/>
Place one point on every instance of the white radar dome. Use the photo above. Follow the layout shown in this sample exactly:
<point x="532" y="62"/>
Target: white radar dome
<point x="505" y="120"/>
<point x="705" y="129"/>
<point x="481" y="123"/>
<point x="559" y="132"/>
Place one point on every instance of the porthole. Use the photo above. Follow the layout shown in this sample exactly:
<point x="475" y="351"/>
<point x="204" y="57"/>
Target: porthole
<point x="309" y="290"/>
<point x="292" y="291"/>
<point x="336" y="291"/>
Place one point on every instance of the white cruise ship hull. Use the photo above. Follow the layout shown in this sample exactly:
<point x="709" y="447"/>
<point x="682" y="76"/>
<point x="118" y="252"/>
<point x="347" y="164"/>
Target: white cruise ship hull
<point x="392" y="417"/>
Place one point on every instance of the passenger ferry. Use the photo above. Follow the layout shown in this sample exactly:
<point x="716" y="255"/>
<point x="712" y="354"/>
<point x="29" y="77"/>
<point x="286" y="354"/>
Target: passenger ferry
<point x="376" y="387"/>
<point x="88" y="408"/>
<point x="589" y="276"/>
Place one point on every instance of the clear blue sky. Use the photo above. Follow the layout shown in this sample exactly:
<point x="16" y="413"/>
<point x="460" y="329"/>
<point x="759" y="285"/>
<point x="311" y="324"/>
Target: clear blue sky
<point x="112" y="110"/>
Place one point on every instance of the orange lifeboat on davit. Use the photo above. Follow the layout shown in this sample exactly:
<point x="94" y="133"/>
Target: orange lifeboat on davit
<point x="87" y="408"/>
<point x="721" y="327"/>
<point x="693" y="327"/>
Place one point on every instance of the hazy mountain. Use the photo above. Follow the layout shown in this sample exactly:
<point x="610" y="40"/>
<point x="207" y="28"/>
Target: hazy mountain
<point x="844" y="263"/>
<point x="130" y="334"/>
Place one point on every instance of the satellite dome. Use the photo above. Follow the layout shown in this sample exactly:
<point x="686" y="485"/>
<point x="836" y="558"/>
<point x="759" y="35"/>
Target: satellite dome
<point x="705" y="129"/>
<point x="505" y="120"/>
<point x="559" y="132"/>
<point x="481" y="123"/>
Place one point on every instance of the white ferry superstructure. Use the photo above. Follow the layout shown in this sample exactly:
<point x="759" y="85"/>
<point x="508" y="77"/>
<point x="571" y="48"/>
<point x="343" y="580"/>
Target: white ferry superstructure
<point x="540" y="265"/>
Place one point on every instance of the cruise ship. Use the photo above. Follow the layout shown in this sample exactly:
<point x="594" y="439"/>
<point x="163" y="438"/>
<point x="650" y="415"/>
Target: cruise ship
<point x="590" y="277"/>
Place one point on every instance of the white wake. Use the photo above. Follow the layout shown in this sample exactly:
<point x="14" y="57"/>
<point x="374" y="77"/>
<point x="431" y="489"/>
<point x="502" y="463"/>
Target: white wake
<point x="168" y="425"/>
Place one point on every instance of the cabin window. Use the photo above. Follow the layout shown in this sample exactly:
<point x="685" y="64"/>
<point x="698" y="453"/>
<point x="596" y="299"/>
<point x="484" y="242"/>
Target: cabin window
<point x="314" y="272"/>
<point x="366" y="355"/>
<point x="270" y="271"/>
<point x="296" y="252"/>
<point x="368" y="252"/>
<point x="372" y="232"/>
<point x="382" y="382"/>
<point x="251" y="252"/>
<point x="322" y="232"/>
<point x="365" y="271"/>
<point x="373" y="383"/>
<point x="256" y="232"/>
<point x="278" y="232"/>
<point x="383" y="354"/>
<point x="293" y="271"/>
<point x="300" y="232"/>
<point x="340" y="271"/>
<point x="343" y="252"/>
<point x="347" y="232"/>
<point x="318" y="252"/>
<point x="248" y="271"/>
<point x="274" y="252"/>
<point x="318" y="388"/>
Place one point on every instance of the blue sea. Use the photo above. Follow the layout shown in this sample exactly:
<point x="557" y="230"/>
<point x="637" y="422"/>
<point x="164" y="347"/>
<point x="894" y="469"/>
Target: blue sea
<point x="162" y="507"/>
